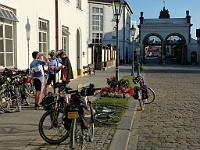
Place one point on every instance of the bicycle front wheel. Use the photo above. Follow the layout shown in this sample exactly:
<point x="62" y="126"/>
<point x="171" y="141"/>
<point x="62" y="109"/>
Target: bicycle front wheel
<point x="151" y="96"/>
<point x="51" y="127"/>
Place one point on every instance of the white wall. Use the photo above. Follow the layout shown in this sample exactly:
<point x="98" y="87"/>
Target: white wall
<point x="69" y="16"/>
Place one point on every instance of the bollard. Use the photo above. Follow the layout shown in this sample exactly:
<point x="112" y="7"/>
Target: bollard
<point x="138" y="70"/>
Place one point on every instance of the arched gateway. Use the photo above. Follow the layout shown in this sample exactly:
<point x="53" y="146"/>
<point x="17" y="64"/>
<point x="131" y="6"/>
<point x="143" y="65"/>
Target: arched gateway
<point x="165" y="37"/>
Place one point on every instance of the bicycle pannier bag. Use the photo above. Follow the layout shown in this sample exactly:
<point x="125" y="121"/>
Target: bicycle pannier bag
<point x="145" y="92"/>
<point x="135" y="95"/>
<point x="85" y="116"/>
<point x="47" y="100"/>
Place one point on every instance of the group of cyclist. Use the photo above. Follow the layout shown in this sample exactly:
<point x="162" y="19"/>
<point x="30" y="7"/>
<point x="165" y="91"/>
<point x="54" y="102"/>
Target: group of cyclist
<point x="58" y="61"/>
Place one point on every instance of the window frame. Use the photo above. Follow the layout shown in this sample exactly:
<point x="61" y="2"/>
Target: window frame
<point x="43" y="36"/>
<point x="65" y="38"/>
<point x="5" y="52"/>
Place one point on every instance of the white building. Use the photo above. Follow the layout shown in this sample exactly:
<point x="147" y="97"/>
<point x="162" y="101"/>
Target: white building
<point x="54" y="24"/>
<point x="102" y="31"/>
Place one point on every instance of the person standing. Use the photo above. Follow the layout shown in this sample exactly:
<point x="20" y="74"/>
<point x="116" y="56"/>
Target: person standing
<point x="52" y="74"/>
<point x="66" y="68"/>
<point x="37" y="75"/>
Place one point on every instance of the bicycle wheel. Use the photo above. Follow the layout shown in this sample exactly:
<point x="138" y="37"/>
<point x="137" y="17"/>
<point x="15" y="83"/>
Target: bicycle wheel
<point x="73" y="129"/>
<point x="109" y="118"/>
<point x="151" y="96"/>
<point x="30" y="89"/>
<point x="91" y="129"/>
<point x="10" y="100"/>
<point x="51" y="127"/>
<point x="116" y="108"/>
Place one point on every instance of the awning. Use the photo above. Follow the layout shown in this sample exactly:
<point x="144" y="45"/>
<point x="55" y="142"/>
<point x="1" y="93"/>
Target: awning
<point x="6" y="14"/>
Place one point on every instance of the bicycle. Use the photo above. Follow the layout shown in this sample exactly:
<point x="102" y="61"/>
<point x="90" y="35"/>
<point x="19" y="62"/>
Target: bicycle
<point x="10" y="97"/>
<point x="80" y="116"/>
<point x="51" y="125"/>
<point x="143" y="93"/>
<point x="108" y="114"/>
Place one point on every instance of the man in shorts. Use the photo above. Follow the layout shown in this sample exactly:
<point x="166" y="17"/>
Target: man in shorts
<point x="37" y="74"/>
<point x="52" y="74"/>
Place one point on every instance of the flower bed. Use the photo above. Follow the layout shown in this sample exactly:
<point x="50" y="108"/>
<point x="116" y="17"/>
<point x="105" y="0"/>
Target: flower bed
<point x="119" y="89"/>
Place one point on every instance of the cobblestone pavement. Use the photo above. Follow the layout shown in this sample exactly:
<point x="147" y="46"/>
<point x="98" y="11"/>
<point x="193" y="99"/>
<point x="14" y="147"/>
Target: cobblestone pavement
<point x="172" y="121"/>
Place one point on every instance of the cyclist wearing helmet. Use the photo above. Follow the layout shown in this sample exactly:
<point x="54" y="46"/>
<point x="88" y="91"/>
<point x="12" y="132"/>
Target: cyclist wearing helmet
<point x="37" y="74"/>
<point x="52" y="74"/>
<point x="66" y="68"/>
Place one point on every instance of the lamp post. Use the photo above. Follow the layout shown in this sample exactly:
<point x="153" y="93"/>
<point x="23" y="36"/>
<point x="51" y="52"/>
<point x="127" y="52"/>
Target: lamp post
<point x="28" y="29"/>
<point x="138" y="55"/>
<point x="117" y="12"/>
<point x="132" y="30"/>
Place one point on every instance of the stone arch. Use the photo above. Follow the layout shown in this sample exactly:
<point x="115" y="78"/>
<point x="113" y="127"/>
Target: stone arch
<point x="152" y="34"/>
<point x="147" y="47"/>
<point x="178" y="47"/>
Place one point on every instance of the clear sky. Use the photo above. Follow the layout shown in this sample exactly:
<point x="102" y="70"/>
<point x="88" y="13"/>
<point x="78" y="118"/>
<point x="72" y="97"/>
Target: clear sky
<point x="176" y="8"/>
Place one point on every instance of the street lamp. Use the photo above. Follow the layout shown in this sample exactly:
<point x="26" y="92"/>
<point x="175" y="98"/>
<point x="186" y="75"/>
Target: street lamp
<point x="28" y="29"/>
<point x="117" y="12"/>
<point x="132" y="30"/>
<point x="138" y="55"/>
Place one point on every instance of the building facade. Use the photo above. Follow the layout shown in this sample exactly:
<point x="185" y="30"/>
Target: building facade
<point x="169" y="38"/>
<point x="50" y="25"/>
<point x="102" y="27"/>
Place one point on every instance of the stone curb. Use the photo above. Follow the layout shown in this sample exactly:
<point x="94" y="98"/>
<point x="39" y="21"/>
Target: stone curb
<point x="121" y="137"/>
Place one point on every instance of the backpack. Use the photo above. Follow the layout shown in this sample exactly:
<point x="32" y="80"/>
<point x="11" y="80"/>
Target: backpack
<point x="47" y="100"/>
<point x="145" y="94"/>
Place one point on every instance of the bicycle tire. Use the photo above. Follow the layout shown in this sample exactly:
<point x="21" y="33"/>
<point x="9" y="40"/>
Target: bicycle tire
<point x="72" y="134"/>
<point x="107" y="118"/>
<point x="51" y="137"/>
<point x="30" y="89"/>
<point x="151" y="96"/>
<point x="115" y="107"/>
<point x="10" y="103"/>
<point x="91" y="129"/>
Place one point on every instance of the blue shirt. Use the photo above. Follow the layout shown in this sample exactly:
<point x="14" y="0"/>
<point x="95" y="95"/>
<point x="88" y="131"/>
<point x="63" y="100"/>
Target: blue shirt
<point x="53" y="63"/>
<point x="37" y="68"/>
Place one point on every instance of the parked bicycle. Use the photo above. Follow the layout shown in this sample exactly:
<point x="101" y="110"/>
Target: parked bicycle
<point x="109" y="114"/>
<point x="55" y="126"/>
<point x="16" y="87"/>
<point x="80" y="116"/>
<point x="51" y="125"/>
<point x="143" y="93"/>
<point x="10" y="97"/>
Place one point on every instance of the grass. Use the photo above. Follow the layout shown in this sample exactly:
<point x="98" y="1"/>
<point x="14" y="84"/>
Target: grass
<point x="118" y="101"/>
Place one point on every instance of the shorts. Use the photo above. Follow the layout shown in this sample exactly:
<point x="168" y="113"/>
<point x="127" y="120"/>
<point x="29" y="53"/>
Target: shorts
<point x="52" y="78"/>
<point x="38" y="83"/>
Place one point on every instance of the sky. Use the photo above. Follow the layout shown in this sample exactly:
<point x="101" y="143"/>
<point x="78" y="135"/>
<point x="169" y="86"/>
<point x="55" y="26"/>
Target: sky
<point x="176" y="8"/>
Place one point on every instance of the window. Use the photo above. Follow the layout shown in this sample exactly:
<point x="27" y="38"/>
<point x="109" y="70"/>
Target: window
<point x="6" y="45"/>
<point x="97" y="10"/>
<point x="43" y="36"/>
<point x="97" y="22"/>
<point x="7" y="19"/>
<point x="97" y="38"/>
<point x="65" y="39"/>
<point x="78" y="4"/>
